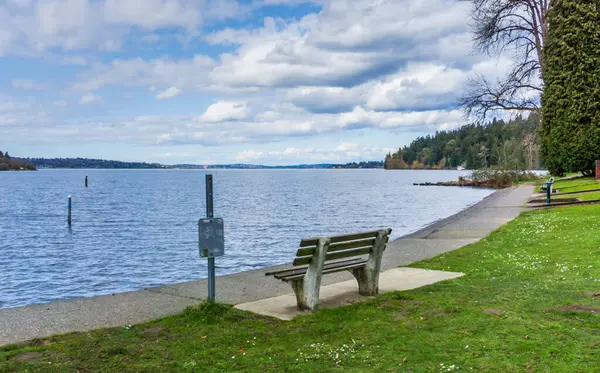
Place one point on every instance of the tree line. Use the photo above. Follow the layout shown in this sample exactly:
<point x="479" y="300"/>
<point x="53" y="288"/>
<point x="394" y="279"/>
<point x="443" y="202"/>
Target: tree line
<point x="363" y="164"/>
<point x="512" y="144"/>
<point x="89" y="163"/>
<point x="8" y="163"/>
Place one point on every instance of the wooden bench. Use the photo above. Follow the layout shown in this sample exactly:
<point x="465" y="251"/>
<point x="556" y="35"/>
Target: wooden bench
<point x="319" y="256"/>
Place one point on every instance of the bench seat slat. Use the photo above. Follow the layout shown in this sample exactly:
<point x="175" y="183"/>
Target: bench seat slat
<point x="335" y="239"/>
<point x="307" y="251"/>
<point x="348" y="253"/>
<point x="335" y="255"/>
<point x="286" y="271"/>
<point x="340" y="268"/>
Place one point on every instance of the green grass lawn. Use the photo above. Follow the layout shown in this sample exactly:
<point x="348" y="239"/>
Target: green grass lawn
<point x="575" y="185"/>
<point x="526" y="304"/>
<point x="582" y="196"/>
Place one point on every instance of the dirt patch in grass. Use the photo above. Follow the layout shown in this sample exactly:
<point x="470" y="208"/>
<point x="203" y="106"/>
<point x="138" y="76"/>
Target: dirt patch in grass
<point x="29" y="357"/>
<point x="574" y="308"/>
<point x="37" y="357"/>
<point x="40" y="342"/>
<point x="400" y="313"/>
<point x="152" y="331"/>
<point x="593" y="294"/>
<point x="493" y="311"/>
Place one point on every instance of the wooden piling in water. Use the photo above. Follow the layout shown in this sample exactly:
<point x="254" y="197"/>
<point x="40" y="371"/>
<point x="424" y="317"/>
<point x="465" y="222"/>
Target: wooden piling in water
<point x="86" y="181"/>
<point x="69" y="213"/>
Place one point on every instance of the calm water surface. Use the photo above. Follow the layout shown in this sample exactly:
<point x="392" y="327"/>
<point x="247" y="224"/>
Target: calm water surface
<point x="138" y="228"/>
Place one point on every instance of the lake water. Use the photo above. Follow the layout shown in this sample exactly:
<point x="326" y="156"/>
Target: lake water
<point x="138" y="228"/>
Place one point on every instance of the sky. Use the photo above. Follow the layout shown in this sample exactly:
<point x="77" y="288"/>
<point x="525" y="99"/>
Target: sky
<point x="226" y="81"/>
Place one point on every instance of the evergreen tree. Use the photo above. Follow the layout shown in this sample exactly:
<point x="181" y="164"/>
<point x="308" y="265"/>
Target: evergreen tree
<point x="510" y="145"/>
<point x="571" y="99"/>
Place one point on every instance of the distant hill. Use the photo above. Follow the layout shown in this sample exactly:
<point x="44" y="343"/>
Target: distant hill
<point x="251" y="166"/>
<point x="89" y="163"/>
<point x="101" y="163"/>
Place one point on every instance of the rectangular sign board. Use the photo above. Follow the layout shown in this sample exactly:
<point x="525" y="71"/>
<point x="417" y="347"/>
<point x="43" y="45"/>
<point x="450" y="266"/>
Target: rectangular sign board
<point x="211" y="238"/>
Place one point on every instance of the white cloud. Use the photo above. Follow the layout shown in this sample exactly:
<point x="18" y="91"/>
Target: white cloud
<point x="348" y="42"/>
<point x="228" y="36"/>
<point x="346" y="146"/>
<point x="28" y="84"/>
<point x="368" y="54"/>
<point x="247" y="155"/>
<point x="423" y="85"/>
<point x="168" y="93"/>
<point x="225" y="111"/>
<point x="20" y="3"/>
<point x="153" y="14"/>
<point x="184" y="74"/>
<point x="75" y="60"/>
<point x="18" y="116"/>
<point x="169" y="130"/>
<point x="345" y="152"/>
<point x="327" y="99"/>
<point x="433" y="119"/>
<point x="39" y="25"/>
<point x="268" y="116"/>
<point x="90" y="99"/>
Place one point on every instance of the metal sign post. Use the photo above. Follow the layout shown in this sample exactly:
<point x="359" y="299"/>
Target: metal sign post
<point x="211" y="238"/>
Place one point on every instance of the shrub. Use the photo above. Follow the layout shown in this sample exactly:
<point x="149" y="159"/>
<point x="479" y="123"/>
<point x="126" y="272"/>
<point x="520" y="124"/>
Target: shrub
<point x="497" y="178"/>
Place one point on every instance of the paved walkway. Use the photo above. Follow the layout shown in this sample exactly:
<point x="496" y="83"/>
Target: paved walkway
<point x="42" y="320"/>
<point x="340" y="294"/>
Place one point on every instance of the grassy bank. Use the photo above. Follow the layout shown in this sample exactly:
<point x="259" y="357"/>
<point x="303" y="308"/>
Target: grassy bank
<point x="588" y="186"/>
<point x="529" y="302"/>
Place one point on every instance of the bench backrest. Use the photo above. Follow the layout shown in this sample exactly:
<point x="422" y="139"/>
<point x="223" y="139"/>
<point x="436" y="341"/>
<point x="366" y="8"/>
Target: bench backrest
<point x="344" y="246"/>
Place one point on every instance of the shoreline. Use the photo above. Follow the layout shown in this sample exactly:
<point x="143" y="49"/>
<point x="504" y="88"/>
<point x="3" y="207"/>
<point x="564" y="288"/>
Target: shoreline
<point x="81" y="314"/>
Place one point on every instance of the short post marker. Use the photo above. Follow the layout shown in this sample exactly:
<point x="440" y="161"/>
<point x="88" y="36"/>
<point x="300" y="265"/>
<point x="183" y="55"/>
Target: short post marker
<point x="86" y="181"/>
<point x="69" y="213"/>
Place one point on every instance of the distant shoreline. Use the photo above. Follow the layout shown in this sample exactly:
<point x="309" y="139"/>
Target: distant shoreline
<point x="235" y="168"/>
<point x="209" y="168"/>
<point x="88" y="163"/>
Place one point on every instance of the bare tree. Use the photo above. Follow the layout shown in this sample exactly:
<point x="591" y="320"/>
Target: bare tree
<point x="508" y="26"/>
<point x="531" y="144"/>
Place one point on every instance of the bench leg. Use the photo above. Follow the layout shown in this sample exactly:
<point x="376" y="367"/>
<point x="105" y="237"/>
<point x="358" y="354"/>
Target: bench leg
<point x="307" y="289"/>
<point x="307" y="297"/>
<point x="298" y="287"/>
<point x="368" y="276"/>
<point x="368" y="281"/>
